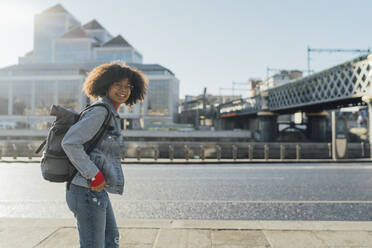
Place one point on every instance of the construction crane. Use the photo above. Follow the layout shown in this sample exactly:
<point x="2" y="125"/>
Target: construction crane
<point x="238" y="83"/>
<point x="321" y="50"/>
<point x="232" y="89"/>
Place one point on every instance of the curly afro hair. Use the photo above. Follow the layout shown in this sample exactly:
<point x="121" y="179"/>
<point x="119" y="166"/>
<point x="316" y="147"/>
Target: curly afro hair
<point x="101" y="78"/>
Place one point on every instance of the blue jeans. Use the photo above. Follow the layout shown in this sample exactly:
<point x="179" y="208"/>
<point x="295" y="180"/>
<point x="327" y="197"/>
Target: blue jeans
<point x="95" y="217"/>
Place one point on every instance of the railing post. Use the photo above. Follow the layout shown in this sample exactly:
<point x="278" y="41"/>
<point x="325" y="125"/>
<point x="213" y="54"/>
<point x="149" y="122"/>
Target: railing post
<point x="330" y="150"/>
<point x="234" y="152"/>
<point x="218" y="150"/>
<point x="266" y="152"/>
<point x="298" y="152"/>
<point x="123" y="154"/>
<point x="14" y="151"/>
<point x="363" y="149"/>
<point x="202" y="152"/>
<point x="171" y="153"/>
<point x="282" y="152"/>
<point x="138" y="153"/>
<point x="250" y="152"/>
<point x="156" y="153"/>
<point x="30" y="151"/>
<point x="187" y="155"/>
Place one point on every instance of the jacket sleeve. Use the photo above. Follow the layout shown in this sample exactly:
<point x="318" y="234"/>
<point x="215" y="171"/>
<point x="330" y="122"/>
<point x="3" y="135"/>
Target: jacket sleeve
<point x="78" y="134"/>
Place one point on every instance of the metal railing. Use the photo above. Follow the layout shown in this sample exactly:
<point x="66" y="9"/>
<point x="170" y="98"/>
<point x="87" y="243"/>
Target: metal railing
<point x="205" y="152"/>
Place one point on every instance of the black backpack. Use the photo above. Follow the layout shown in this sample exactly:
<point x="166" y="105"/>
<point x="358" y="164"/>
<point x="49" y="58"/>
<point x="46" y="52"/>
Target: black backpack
<point x="55" y="165"/>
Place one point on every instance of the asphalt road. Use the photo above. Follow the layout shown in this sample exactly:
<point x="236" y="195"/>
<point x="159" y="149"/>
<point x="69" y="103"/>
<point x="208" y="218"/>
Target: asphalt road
<point x="229" y="192"/>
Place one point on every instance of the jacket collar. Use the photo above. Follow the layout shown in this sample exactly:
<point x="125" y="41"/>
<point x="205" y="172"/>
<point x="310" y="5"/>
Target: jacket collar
<point x="106" y="99"/>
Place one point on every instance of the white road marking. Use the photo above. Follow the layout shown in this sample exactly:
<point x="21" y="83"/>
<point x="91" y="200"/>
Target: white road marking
<point x="117" y="200"/>
<point x="262" y="167"/>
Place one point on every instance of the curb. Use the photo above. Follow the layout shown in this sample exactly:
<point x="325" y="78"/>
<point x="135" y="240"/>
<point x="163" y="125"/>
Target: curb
<point x="203" y="224"/>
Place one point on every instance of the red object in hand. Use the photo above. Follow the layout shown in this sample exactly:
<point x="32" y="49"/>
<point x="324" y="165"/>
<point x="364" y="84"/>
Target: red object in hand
<point x="97" y="180"/>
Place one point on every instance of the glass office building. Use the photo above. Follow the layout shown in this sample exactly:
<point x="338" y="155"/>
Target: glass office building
<point x="53" y="73"/>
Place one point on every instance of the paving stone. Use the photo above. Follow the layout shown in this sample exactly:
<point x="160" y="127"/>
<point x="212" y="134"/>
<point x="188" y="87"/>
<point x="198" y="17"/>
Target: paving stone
<point x="62" y="238"/>
<point x="137" y="236"/>
<point x="345" y="239"/>
<point x="293" y="239"/>
<point x="221" y="224"/>
<point x="23" y="236"/>
<point x="240" y="246"/>
<point x="136" y="246"/>
<point x="239" y="238"/>
<point x="183" y="238"/>
<point x="21" y="233"/>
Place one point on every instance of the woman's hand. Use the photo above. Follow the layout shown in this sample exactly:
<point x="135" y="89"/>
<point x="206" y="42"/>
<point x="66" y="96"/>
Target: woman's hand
<point x="98" y="182"/>
<point x="100" y="187"/>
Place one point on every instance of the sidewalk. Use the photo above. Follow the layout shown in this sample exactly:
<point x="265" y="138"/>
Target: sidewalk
<point x="193" y="233"/>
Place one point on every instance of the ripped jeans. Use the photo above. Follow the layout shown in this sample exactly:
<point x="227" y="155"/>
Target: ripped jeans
<point x="95" y="217"/>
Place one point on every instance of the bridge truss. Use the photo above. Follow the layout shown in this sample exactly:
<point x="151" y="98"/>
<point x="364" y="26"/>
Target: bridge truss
<point x="339" y="86"/>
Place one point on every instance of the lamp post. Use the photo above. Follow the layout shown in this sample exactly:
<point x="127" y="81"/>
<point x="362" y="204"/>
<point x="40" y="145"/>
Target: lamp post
<point x="368" y="99"/>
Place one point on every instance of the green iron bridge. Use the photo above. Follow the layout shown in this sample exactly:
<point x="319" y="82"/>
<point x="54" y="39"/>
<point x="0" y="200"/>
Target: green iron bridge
<point x="344" y="85"/>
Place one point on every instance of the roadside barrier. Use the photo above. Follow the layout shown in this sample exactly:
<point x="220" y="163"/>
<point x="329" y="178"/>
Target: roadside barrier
<point x="218" y="152"/>
<point x="298" y="152"/>
<point x="15" y="151"/>
<point x="171" y="152"/>
<point x="330" y="150"/>
<point x="233" y="152"/>
<point x="282" y="152"/>
<point x="266" y="152"/>
<point x="202" y="152"/>
<point x="30" y="151"/>
<point x="250" y="152"/>
<point x="187" y="152"/>
<point x="156" y="153"/>
<point x="123" y="154"/>
<point x="138" y="153"/>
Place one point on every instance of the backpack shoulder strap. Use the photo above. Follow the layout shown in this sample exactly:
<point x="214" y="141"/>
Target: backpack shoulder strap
<point x="97" y="138"/>
<point x="101" y="132"/>
<point x="41" y="146"/>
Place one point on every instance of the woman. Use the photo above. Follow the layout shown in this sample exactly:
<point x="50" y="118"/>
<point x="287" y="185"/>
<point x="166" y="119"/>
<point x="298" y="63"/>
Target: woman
<point x="100" y="171"/>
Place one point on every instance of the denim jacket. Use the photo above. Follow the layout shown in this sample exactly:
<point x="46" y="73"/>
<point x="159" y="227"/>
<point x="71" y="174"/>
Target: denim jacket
<point x="105" y="156"/>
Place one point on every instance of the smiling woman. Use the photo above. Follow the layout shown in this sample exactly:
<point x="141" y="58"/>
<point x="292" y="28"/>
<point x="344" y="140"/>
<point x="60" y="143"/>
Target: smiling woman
<point x="119" y="92"/>
<point x="123" y="84"/>
<point x="100" y="172"/>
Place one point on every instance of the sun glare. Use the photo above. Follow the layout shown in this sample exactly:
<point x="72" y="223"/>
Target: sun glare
<point x="15" y="13"/>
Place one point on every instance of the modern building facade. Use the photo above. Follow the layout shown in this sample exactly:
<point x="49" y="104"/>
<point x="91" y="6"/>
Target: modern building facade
<point x="54" y="71"/>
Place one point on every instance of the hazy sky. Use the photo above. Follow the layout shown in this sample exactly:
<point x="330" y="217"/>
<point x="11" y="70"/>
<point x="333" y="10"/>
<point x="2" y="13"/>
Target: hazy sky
<point x="209" y="43"/>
